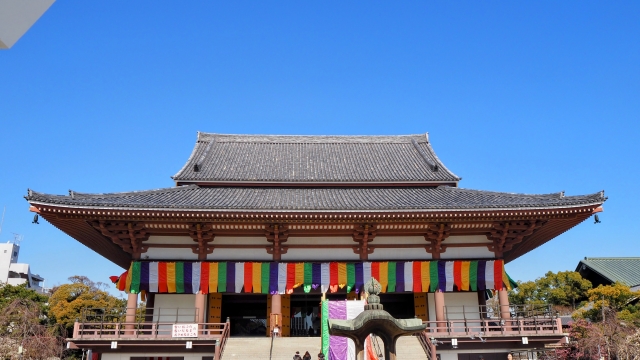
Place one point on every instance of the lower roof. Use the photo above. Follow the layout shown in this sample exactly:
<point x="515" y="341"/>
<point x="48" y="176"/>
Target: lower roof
<point x="625" y="270"/>
<point x="316" y="199"/>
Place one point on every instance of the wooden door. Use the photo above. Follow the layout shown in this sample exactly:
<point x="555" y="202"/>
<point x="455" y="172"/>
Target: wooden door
<point x="286" y="315"/>
<point x="420" y="304"/>
<point x="215" y="308"/>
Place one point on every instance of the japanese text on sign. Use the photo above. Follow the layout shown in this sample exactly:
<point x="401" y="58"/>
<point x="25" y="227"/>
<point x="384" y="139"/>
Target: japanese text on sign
<point x="184" y="330"/>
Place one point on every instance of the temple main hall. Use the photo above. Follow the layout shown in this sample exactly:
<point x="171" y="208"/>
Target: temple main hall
<point x="257" y="230"/>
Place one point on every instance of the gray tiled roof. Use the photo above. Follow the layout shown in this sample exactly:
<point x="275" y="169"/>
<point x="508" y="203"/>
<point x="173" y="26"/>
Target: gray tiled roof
<point x="625" y="270"/>
<point x="317" y="199"/>
<point x="313" y="159"/>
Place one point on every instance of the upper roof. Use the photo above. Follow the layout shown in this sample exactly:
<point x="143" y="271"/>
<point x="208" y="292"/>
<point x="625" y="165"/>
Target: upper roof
<point x="263" y="159"/>
<point x="624" y="270"/>
<point x="317" y="199"/>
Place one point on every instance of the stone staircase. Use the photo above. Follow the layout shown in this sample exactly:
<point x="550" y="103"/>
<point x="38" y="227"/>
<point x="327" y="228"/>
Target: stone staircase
<point x="257" y="348"/>
<point x="243" y="348"/>
<point x="409" y="348"/>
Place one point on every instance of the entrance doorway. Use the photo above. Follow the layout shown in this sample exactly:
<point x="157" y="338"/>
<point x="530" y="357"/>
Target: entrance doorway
<point x="247" y="313"/>
<point x="399" y="305"/>
<point x="305" y="314"/>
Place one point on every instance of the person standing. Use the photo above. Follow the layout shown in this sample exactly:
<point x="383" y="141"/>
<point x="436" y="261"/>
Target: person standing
<point x="306" y="356"/>
<point x="297" y="356"/>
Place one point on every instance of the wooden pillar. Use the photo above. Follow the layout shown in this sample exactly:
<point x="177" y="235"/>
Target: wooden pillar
<point x="276" y="314"/>
<point x="132" y="307"/>
<point x="503" y="299"/>
<point x="438" y="298"/>
<point x="505" y="312"/>
<point x="200" y="308"/>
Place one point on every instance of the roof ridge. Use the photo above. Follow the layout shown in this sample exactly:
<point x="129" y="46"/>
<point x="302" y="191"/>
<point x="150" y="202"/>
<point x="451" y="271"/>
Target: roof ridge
<point x="559" y="195"/>
<point x="302" y="139"/>
<point x="72" y="193"/>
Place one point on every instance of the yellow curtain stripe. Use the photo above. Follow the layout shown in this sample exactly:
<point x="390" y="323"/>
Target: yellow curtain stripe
<point x="342" y="274"/>
<point x="384" y="275"/>
<point x="464" y="268"/>
<point x="213" y="277"/>
<point x="256" y="280"/>
<point x="171" y="277"/>
<point x="425" y="276"/>
<point x="299" y="275"/>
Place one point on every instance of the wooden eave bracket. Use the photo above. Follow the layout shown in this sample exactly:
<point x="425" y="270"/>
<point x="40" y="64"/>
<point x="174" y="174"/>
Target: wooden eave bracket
<point x="504" y="235"/>
<point x="364" y="234"/>
<point x="270" y="250"/>
<point x="436" y="234"/>
<point x="129" y="236"/>
<point x="203" y="235"/>
<point x="277" y="234"/>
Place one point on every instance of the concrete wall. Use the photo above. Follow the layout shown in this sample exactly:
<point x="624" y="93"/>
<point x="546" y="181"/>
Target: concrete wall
<point x="481" y="252"/>
<point x="342" y="253"/>
<point x="454" y="302"/>
<point x="127" y="356"/>
<point x="165" y="306"/>
<point x="8" y="254"/>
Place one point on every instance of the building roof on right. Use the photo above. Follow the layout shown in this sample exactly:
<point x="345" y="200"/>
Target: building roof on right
<point x="607" y="270"/>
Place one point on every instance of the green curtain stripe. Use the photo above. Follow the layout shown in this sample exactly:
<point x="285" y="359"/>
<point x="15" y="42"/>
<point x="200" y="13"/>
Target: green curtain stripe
<point x="473" y="275"/>
<point x="308" y="273"/>
<point x="351" y="276"/>
<point x="222" y="277"/>
<point x="180" y="277"/>
<point x="512" y="282"/>
<point x="325" y="328"/>
<point x="308" y="276"/>
<point x="135" y="278"/>
<point x="433" y="276"/>
<point x="264" y="283"/>
<point x="391" y="271"/>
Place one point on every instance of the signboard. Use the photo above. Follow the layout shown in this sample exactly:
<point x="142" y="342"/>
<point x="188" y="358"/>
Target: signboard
<point x="184" y="330"/>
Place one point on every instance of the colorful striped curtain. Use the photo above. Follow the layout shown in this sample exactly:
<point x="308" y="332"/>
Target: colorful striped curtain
<point x="280" y="278"/>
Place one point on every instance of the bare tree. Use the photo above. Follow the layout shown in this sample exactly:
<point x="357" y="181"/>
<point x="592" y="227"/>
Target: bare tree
<point x="22" y="325"/>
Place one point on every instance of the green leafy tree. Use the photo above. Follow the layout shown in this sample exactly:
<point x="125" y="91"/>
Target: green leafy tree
<point x="67" y="301"/>
<point x="618" y="298"/>
<point x="565" y="288"/>
<point x="9" y="293"/>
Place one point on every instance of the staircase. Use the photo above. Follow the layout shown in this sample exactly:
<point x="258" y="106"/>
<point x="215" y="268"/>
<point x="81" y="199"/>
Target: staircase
<point x="409" y="348"/>
<point x="242" y="348"/>
<point x="257" y="348"/>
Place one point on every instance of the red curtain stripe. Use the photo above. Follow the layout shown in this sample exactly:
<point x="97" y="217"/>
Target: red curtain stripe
<point x="457" y="274"/>
<point x="417" y="277"/>
<point x="497" y="274"/>
<point x="162" y="277"/>
<point x="248" y="277"/>
<point x="204" y="277"/>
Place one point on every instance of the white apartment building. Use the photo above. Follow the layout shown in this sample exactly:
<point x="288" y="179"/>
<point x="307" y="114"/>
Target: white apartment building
<point x="14" y="273"/>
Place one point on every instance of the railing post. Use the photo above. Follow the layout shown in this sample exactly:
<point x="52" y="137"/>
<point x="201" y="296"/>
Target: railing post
<point x="558" y="326"/>
<point x="76" y="329"/>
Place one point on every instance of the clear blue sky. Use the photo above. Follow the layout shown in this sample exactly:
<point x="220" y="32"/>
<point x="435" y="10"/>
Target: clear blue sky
<point x="534" y="97"/>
